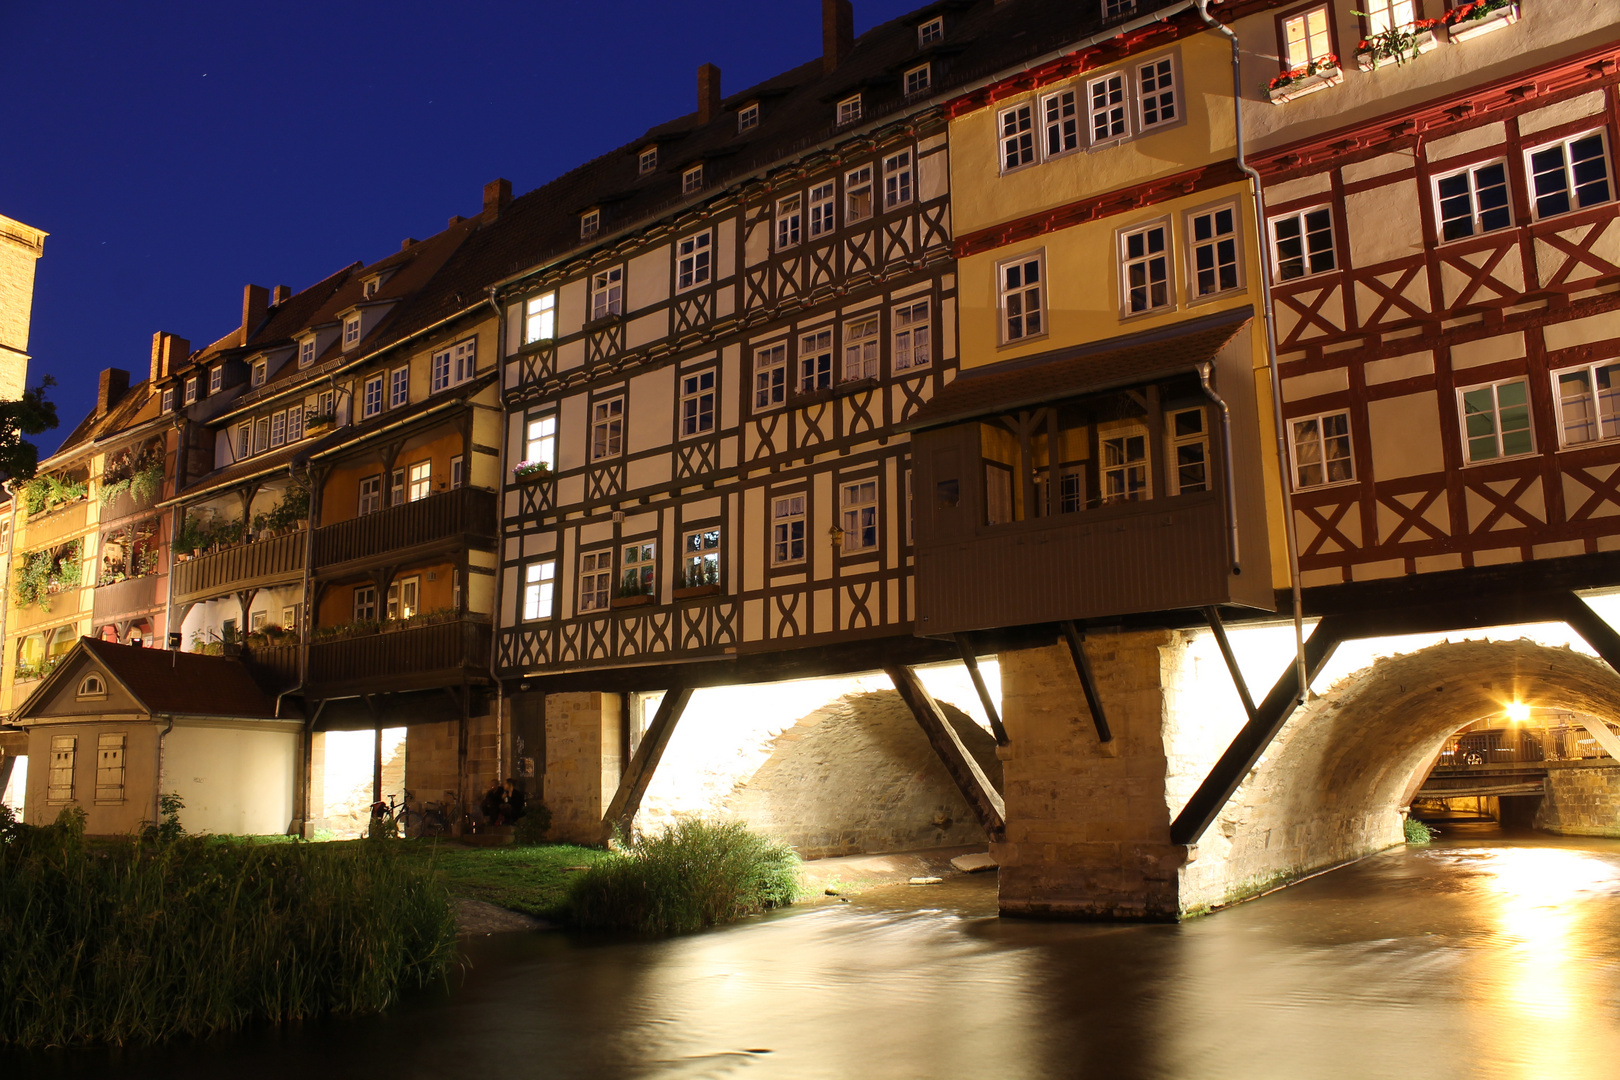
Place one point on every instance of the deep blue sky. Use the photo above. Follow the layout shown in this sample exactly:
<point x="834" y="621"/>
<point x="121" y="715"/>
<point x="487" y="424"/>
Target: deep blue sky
<point x="176" y="151"/>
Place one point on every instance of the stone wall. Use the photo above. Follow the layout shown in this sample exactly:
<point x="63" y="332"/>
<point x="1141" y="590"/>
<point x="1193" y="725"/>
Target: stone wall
<point x="584" y="761"/>
<point x="1582" y="799"/>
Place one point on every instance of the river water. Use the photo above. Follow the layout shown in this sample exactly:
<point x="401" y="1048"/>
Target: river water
<point x="1481" y="957"/>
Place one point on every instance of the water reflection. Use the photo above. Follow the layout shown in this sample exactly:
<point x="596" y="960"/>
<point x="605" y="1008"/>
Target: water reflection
<point x="1475" y="959"/>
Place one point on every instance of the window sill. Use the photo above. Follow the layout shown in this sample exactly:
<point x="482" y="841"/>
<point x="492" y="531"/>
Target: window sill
<point x="1308" y="84"/>
<point x="1527" y="455"/>
<point x="1297" y="490"/>
<point x="532" y="347"/>
<point x="633" y="601"/>
<point x="1421" y="43"/>
<point x="695" y="591"/>
<point x="535" y="477"/>
<point x="1018" y="343"/>
<point x="1494" y="20"/>
<point x="604" y="322"/>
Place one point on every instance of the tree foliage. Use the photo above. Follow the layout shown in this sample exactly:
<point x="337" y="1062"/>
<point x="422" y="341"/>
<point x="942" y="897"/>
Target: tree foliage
<point x="32" y="414"/>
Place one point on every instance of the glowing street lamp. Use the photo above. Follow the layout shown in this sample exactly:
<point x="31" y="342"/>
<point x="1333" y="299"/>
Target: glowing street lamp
<point x="1518" y="712"/>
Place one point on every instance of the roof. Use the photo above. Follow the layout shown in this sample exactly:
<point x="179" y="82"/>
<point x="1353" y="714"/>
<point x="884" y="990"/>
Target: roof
<point x="1080" y="369"/>
<point x="185" y="684"/>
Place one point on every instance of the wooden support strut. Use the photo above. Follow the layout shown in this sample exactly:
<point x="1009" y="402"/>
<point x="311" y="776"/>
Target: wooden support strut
<point x="1605" y="641"/>
<point x="627" y="800"/>
<point x="970" y="780"/>
<point x="970" y="660"/>
<point x="1088" y="682"/>
<point x="1218" y="628"/>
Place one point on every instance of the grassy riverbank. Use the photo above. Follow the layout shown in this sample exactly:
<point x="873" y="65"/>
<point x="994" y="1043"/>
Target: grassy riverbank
<point x="533" y="880"/>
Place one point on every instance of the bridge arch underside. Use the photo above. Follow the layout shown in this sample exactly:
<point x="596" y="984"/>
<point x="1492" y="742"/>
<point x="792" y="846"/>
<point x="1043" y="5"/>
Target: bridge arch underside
<point x="1333" y="785"/>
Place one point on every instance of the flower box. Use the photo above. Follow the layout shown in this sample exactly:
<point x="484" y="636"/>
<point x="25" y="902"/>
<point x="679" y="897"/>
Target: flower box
<point x="693" y="591"/>
<point x="530" y="474"/>
<point x="1477" y="19"/>
<point x="633" y="601"/>
<point x="1372" y="58"/>
<point x="1300" y="85"/>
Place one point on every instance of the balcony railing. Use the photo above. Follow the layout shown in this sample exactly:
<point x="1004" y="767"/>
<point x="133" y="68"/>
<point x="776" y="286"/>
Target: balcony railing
<point x="47" y="529"/>
<point x="465" y="511"/>
<point x="125" y="597"/>
<point x="277" y="664"/>
<point x="224" y="571"/>
<point x="400" y="659"/>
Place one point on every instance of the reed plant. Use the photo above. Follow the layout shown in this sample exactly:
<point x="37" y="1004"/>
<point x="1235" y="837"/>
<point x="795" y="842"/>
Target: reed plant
<point x="143" y="940"/>
<point x="694" y="874"/>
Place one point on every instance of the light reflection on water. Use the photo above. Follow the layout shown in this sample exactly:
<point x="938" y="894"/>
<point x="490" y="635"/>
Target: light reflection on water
<point x="1475" y="959"/>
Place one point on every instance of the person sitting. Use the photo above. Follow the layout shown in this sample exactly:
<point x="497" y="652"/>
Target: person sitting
<point x="491" y="806"/>
<point x="512" y="802"/>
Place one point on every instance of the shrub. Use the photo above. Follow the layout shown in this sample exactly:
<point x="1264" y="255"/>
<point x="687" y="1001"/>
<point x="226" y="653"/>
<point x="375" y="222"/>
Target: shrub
<point x="694" y="874"/>
<point x="530" y="829"/>
<point x="1417" y="832"/>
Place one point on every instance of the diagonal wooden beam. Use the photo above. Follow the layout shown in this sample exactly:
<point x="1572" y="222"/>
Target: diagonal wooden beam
<point x="970" y="660"/>
<point x="970" y="780"/>
<point x="639" y="773"/>
<point x="1088" y="682"/>
<point x="1219" y="629"/>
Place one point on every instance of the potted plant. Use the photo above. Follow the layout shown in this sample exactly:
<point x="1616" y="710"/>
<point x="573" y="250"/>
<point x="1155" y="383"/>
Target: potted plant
<point x="1398" y="43"/>
<point x="320" y="420"/>
<point x="1319" y="74"/>
<point x="702" y="578"/>
<point x="634" y="591"/>
<point x="531" y="470"/>
<point x="1479" y="17"/>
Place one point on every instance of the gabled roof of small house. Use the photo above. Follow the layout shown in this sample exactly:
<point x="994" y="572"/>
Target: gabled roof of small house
<point x="161" y="682"/>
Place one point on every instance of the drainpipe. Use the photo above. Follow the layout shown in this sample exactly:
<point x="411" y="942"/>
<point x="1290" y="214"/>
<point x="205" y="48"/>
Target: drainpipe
<point x="1226" y="458"/>
<point x="157" y="787"/>
<point x="500" y="552"/>
<point x="303" y="635"/>
<point x="1258" y="194"/>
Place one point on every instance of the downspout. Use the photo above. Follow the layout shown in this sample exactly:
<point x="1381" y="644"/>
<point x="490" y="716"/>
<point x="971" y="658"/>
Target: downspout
<point x="500" y="546"/>
<point x="1268" y="316"/>
<point x="1226" y="459"/>
<point x="157" y="785"/>
<point x="303" y="634"/>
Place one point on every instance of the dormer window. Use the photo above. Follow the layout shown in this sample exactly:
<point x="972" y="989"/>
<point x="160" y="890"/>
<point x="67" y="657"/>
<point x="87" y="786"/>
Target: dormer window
<point x="216" y="379"/>
<point x="589" y="222"/>
<point x="748" y="117"/>
<point x="931" y="32"/>
<point x="849" y="110"/>
<point x="93" y="686"/>
<point x="692" y="180"/>
<point x="168" y="400"/>
<point x="368" y="288"/>
<point x="918" y="79"/>
<point x="191" y="391"/>
<point x="648" y="161"/>
<point x="351" y="331"/>
<point x="260" y="371"/>
<point x="306" y="353"/>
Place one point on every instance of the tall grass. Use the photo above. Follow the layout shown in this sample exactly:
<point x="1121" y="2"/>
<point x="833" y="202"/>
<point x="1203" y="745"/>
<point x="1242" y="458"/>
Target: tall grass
<point x="694" y="874"/>
<point x="139" y="941"/>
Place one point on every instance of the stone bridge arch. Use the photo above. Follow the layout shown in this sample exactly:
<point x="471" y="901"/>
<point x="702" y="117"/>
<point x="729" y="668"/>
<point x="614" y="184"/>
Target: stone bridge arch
<point x="1332" y="786"/>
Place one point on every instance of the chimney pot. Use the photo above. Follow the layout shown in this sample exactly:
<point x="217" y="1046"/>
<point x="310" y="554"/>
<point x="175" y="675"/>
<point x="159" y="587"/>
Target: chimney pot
<point x="255" y="303"/>
<point x="708" y="93"/>
<point x="497" y="196"/>
<point x="837" y="33"/>
<point x="280" y="294"/>
<point x="114" y="384"/>
<point x="168" y="352"/>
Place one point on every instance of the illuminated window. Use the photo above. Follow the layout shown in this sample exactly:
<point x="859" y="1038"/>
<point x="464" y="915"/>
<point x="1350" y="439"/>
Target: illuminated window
<point x="638" y="570"/>
<point x="540" y="441"/>
<point x="700" y="558"/>
<point x="540" y="318"/>
<point x="420" y="481"/>
<point x="1307" y="37"/>
<point x="539" y="581"/>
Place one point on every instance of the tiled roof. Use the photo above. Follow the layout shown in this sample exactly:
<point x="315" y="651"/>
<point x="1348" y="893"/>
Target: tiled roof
<point x="1064" y="373"/>
<point x="187" y="684"/>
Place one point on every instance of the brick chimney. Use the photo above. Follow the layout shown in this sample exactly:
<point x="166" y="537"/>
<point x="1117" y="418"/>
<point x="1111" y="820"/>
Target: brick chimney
<point x="280" y="295"/>
<point x="708" y="93"/>
<point x="168" y="351"/>
<point x="837" y="33"/>
<point x="255" y="303"/>
<point x="497" y="197"/>
<point x="114" y="384"/>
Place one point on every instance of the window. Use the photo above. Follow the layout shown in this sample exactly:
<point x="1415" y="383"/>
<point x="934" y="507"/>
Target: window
<point x="1569" y="175"/>
<point x="1589" y="403"/>
<point x="692" y="180"/>
<point x="227" y="630"/>
<point x="1017" y="127"/>
<point x="859" y="504"/>
<point x="261" y="434"/>
<point x="327" y="402"/>
<point x="931" y="32"/>
<point x="1385" y="15"/>
<point x="216" y="379"/>
<point x="1322" y="450"/>
<point x="1071" y="490"/>
<point x="455" y="365"/>
<point x="1496" y="420"/>
<point x="540" y="318"/>
<point x="917" y="80"/>
<point x="351" y="331"/>
<point x="770" y="376"/>
<point x="647" y="160"/>
<point x="693" y="258"/>
<point x="1189" y="451"/>
<point x="278" y="428"/>
<point x="370" y="494"/>
<point x="858" y="195"/>
<point x="1113" y="9"/>
<point x="607" y="429"/>
<point x="396" y="488"/>
<point x="1060" y="118"/>
<point x="1125" y="466"/>
<point x="787" y="221"/>
<point x="748" y="117"/>
<point x="295" y="423"/>
<point x="539" y="580"/>
<point x="849" y="110"/>
<point x="1021" y="302"/>
<point x="815" y="361"/>
<point x="822" y="198"/>
<point x="289" y="617"/>
<point x="911" y="336"/>
<point x="540" y="441"/>
<point x="607" y="293"/>
<point x="365" y="603"/>
<point x="1302" y="243"/>
<point x="93" y="686"/>
<point x="421" y="481"/>
<point x="700" y="558"/>
<point x="1212" y="241"/>
<point x="1156" y="82"/>
<point x="897" y="180"/>
<point x="458" y="471"/>
<point x="1473" y="201"/>
<point x="260" y="372"/>
<point x="861" y="349"/>
<point x="787" y="530"/>
<point x="399" y="387"/>
<point x="1108" y="115"/>
<point x="60" y="789"/>
<point x="371" y="403"/>
<point x="638" y="570"/>
<point x="306" y="352"/>
<point x="109" y="768"/>
<point x="244" y="440"/>
<point x="595" y="578"/>
<point x="190" y="397"/>
<point x="1145" y="269"/>
<point x="589" y="223"/>
<point x="168" y="400"/>
<point x="697" y="403"/>
<point x="257" y="620"/>
<point x="1307" y="37"/>
<point x="368" y="289"/>
<point x="404" y="598"/>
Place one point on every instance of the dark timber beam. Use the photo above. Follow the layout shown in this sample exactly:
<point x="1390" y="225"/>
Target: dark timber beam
<point x="1603" y="638"/>
<point x="970" y="660"/>
<point x="627" y="800"/>
<point x="970" y="780"/>
<point x="1268" y="719"/>
<point x="1218" y="628"/>
<point x="8" y="762"/>
<point x="1088" y="683"/>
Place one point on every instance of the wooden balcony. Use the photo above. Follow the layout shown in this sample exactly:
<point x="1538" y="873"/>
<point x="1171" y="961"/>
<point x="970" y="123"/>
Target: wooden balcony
<point x="452" y="519"/>
<point x="124" y="598"/>
<point x="54" y="526"/>
<point x="125" y="504"/>
<point x="413" y="659"/>
<point x="263" y="562"/>
<point x="64" y="605"/>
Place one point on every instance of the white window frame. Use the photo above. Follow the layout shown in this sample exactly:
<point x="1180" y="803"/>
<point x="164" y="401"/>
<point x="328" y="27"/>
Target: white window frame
<point x="261" y="372"/>
<point x="770" y="376"/>
<point x="168" y="399"/>
<point x="278" y="429"/>
<point x="540" y="318"/>
<point x="1382" y="15"/>
<point x="849" y="110"/>
<point x="1113" y="9"/>
<point x="399" y="387"/>
<point x="1307" y="38"/>
<point x="365" y="603"/>
<point x="404" y="597"/>
<point x="261" y="434"/>
<point x="699" y="393"/>
<point x="1213" y="243"/>
<point x="863" y="347"/>
<point x="1320" y="456"/>
<point x="590" y="223"/>
<point x="607" y="428"/>
<point x="190" y="396"/>
<point x="700" y="550"/>
<point x="295" y="423"/>
<point x="647" y="160"/>
<point x="1306" y="256"/>
<point x="1144" y="260"/>
<point x="371" y="397"/>
<point x="595" y="581"/>
<point x="1015" y="135"/>
<point x="244" y="440"/>
<point x="931" y="32"/>
<point x="454" y="365"/>
<point x="216" y="378"/>
<point x="1602" y="405"/>
<point x="1476" y="224"/>
<point x="458" y="471"/>
<point x="858" y="515"/>
<point x="607" y="292"/>
<point x="694" y="260"/>
<point x="306" y="352"/>
<point x="1022" y="290"/>
<point x="789" y="221"/>
<point x="789" y="529"/>
<point x="1567" y="173"/>
<point x="1129" y="469"/>
<point x="351" y="332"/>
<point x="638" y="562"/>
<point x="692" y="179"/>
<point x="1496" y="432"/>
<point x="1101" y="104"/>
<point x="911" y="331"/>
<point x="918" y="80"/>
<point x="898" y="180"/>
<point x="419" y="481"/>
<point x="860" y="195"/>
<point x="823" y="208"/>
<point x="1179" y="441"/>
<point x="1060" y="123"/>
<point x="540" y="440"/>
<point x="1164" y="95"/>
<point x="539" y="589"/>
<point x="815" y="365"/>
<point x="748" y="117"/>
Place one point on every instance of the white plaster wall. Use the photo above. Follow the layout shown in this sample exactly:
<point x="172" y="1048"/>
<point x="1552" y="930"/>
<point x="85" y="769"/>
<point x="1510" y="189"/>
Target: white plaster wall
<point x="233" y="780"/>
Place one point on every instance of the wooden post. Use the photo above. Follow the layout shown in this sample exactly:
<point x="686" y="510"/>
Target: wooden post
<point x="639" y="773"/>
<point x="970" y="780"/>
<point x="971" y="661"/>
<point x="1088" y="682"/>
<point x="1218" y="628"/>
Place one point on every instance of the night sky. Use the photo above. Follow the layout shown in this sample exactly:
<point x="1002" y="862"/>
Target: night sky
<point x="177" y="151"/>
